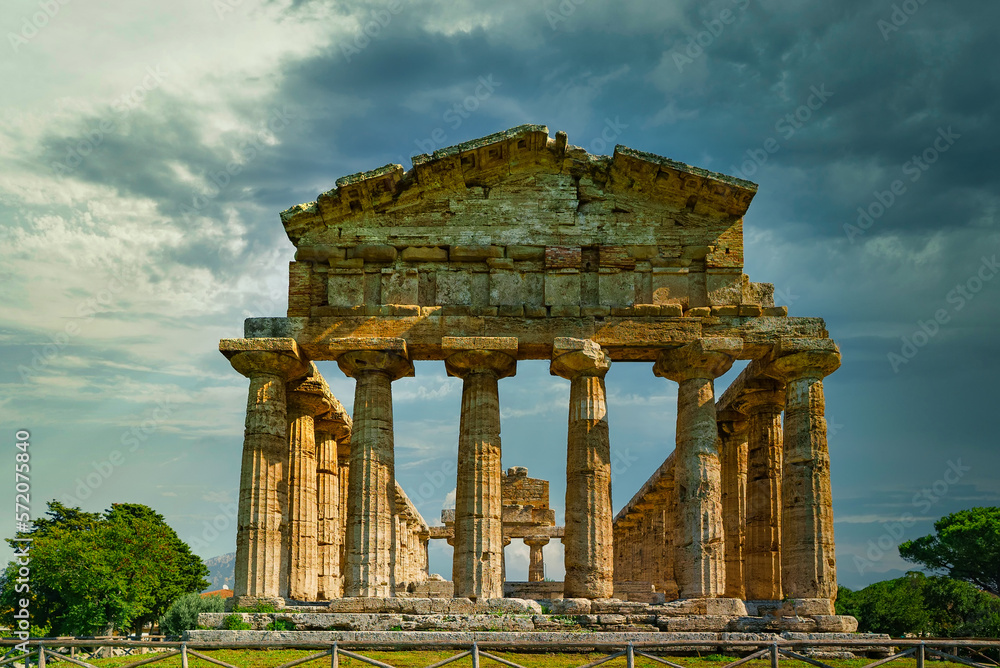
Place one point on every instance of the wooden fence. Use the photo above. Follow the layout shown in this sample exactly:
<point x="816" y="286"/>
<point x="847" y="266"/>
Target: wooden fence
<point x="47" y="650"/>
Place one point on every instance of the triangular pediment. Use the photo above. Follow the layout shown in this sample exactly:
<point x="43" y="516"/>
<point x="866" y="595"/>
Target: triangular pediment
<point x="522" y="187"/>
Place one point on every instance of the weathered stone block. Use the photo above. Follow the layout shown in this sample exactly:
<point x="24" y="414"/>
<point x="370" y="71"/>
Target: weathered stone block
<point x="670" y="287"/>
<point x="694" y="623"/>
<point x="521" y="253"/>
<point x="724" y="288"/>
<point x="424" y="254"/>
<point x="514" y="287"/>
<point x="474" y="253"/>
<point x="454" y="287"/>
<point x="345" y="289"/>
<point x="562" y="289"/>
<point x="374" y="252"/>
<point x="564" y="311"/>
<point x="399" y="286"/>
<point x="698" y="312"/>
<point x="536" y="312"/>
<point x="775" y="311"/>
<point x="671" y="310"/>
<point x="616" y="289"/>
<point x="598" y="311"/>
<point x="570" y="606"/>
<point x="835" y="624"/>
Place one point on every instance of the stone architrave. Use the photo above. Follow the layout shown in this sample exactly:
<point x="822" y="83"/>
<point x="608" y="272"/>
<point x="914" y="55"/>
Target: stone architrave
<point x="733" y="430"/>
<point x="763" y="521"/>
<point x="536" y="557"/>
<point x="808" y="563"/>
<point x="478" y="555"/>
<point x="269" y="364"/>
<point x="700" y="552"/>
<point x="589" y="556"/>
<point x="305" y="402"/>
<point x="374" y="363"/>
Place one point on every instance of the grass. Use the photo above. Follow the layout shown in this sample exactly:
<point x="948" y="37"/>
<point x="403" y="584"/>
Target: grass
<point x="415" y="659"/>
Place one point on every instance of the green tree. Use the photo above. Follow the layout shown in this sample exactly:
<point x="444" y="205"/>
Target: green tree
<point x="965" y="546"/>
<point x="93" y="574"/>
<point x="921" y="605"/>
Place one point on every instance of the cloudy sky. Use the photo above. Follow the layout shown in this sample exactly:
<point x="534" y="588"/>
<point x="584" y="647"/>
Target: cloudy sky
<point x="148" y="148"/>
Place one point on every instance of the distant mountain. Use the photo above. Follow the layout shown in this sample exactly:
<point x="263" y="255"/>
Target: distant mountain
<point x="222" y="571"/>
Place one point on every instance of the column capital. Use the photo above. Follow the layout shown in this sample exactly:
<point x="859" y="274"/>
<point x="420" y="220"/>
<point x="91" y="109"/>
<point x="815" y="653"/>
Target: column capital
<point x="772" y="400"/>
<point x="805" y="358"/>
<point x="732" y="422"/>
<point x="277" y="357"/>
<point x="706" y="358"/>
<point x="536" y="541"/>
<point x="340" y="430"/>
<point x="359" y="362"/>
<point x="465" y="355"/>
<point x="572" y="358"/>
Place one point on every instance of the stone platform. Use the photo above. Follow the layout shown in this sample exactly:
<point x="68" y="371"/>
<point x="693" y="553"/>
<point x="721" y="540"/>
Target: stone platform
<point x="571" y="615"/>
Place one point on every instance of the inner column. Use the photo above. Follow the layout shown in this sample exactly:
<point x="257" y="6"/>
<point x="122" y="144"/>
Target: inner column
<point x="763" y="546"/>
<point x="371" y="473"/>
<point x="700" y="566"/>
<point x="478" y="555"/>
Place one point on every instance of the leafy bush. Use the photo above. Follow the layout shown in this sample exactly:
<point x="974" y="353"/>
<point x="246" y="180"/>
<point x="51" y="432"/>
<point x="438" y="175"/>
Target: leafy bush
<point x="234" y="622"/>
<point x="182" y="615"/>
<point x="280" y="625"/>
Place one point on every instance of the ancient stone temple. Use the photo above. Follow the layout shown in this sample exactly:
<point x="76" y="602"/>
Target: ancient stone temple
<point x="520" y="246"/>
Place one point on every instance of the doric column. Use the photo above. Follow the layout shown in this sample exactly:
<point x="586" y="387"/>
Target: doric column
<point x="700" y="557"/>
<point x="670" y="590"/>
<point x="371" y="478"/>
<point x="425" y="554"/>
<point x="478" y="559"/>
<point x="536" y="558"/>
<point x="328" y="507"/>
<point x="306" y="400"/>
<point x="589" y="556"/>
<point x="268" y="363"/>
<point x="400" y="529"/>
<point x="808" y="562"/>
<point x="343" y="469"/>
<point x="763" y="520"/>
<point x="733" y="455"/>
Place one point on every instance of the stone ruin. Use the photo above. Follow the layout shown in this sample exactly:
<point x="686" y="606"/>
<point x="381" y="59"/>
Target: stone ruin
<point x="518" y="246"/>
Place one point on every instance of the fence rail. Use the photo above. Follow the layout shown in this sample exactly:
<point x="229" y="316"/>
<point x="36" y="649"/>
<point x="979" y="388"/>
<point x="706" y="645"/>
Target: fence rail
<point x="44" y="650"/>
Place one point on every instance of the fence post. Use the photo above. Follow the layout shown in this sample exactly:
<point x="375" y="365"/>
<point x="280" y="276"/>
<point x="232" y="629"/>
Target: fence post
<point x="475" y="654"/>
<point x="184" y="655"/>
<point x="920" y="656"/>
<point x="774" y="655"/>
<point x="630" y="656"/>
<point x="41" y="655"/>
<point x="334" y="656"/>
